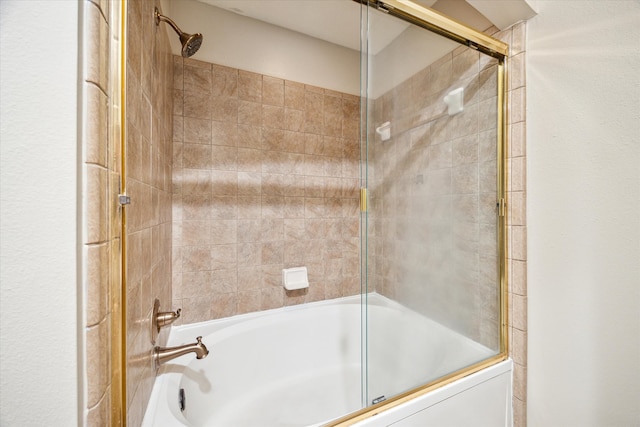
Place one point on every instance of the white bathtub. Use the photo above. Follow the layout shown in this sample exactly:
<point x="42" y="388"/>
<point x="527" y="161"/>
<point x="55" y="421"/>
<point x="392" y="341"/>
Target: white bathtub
<point x="301" y="366"/>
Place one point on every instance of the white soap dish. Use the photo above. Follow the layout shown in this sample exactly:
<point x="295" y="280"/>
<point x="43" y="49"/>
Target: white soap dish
<point x="295" y="278"/>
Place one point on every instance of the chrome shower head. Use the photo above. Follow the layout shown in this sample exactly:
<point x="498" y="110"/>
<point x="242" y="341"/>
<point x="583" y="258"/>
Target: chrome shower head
<point x="190" y="42"/>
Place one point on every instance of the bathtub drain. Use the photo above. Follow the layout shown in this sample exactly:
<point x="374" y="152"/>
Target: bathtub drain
<point x="182" y="400"/>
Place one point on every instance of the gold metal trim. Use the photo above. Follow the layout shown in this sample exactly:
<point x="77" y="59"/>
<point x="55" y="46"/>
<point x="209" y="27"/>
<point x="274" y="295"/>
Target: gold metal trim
<point x="424" y="18"/>
<point x="441" y="24"/>
<point x="123" y="312"/>
<point x="371" y="411"/>
<point x="501" y="172"/>
<point x="363" y="199"/>
<point x="119" y="342"/>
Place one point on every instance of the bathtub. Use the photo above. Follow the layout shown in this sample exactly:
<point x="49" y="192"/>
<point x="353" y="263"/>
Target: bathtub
<point x="301" y="366"/>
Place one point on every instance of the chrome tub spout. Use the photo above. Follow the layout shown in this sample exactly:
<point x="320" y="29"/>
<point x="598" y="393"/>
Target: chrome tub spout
<point x="164" y="354"/>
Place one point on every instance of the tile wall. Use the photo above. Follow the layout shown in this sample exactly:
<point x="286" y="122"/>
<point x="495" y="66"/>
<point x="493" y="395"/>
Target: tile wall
<point x="516" y="216"/>
<point x="149" y="73"/>
<point x="101" y="232"/>
<point x="149" y="126"/>
<point x="265" y="177"/>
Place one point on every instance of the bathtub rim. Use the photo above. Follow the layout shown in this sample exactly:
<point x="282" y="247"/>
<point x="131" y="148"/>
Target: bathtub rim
<point x="178" y="330"/>
<point x="442" y="394"/>
<point x="501" y="362"/>
<point x="440" y="385"/>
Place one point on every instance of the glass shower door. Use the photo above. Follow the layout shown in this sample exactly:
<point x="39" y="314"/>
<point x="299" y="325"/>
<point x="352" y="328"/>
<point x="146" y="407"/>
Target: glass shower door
<point x="431" y="248"/>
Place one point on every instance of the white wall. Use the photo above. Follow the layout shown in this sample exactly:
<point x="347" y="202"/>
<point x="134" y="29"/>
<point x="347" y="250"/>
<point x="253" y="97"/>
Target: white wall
<point x="583" y="143"/>
<point x="38" y="189"/>
<point x="248" y="44"/>
<point x="411" y="52"/>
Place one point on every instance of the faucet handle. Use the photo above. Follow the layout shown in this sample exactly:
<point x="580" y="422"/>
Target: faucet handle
<point x="160" y="319"/>
<point x="167" y="317"/>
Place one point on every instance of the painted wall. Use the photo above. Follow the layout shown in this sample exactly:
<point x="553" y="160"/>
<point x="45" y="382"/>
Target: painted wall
<point x="230" y="40"/>
<point x="583" y="90"/>
<point x="248" y="44"/>
<point x="39" y="202"/>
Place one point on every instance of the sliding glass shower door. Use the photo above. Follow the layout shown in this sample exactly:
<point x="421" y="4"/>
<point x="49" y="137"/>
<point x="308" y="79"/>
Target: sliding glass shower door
<point x="433" y="202"/>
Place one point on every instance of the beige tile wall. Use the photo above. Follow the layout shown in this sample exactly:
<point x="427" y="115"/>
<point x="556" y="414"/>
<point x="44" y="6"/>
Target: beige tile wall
<point x="517" y="218"/>
<point x="100" y="212"/>
<point x="149" y="76"/>
<point x="149" y="127"/>
<point x="265" y="177"/>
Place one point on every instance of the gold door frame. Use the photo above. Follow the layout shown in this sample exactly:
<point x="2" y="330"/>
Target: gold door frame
<point x="458" y="32"/>
<point x="402" y="9"/>
<point x="118" y="288"/>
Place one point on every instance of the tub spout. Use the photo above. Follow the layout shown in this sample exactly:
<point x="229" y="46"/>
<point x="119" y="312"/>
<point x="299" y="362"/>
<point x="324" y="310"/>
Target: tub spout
<point x="164" y="354"/>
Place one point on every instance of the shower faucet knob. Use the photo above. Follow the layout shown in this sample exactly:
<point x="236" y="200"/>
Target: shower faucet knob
<point x="160" y="319"/>
<point x="167" y="317"/>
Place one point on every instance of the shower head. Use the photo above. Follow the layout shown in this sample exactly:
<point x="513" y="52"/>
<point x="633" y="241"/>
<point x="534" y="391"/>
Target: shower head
<point x="190" y="42"/>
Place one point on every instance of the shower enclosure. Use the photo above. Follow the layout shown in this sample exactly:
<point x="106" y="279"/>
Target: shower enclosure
<point x="429" y="161"/>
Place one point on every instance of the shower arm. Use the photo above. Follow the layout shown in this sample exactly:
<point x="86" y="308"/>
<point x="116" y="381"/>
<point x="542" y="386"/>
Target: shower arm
<point x="169" y="21"/>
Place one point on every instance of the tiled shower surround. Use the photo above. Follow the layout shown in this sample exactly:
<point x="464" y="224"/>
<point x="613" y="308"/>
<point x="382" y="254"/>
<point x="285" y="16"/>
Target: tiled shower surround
<point x="101" y="232"/>
<point x="265" y="177"/>
<point x="149" y="73"/>
<point x="296" y="196"/>
<point x="517" y="216"/>
<point x="148" y="172"/>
